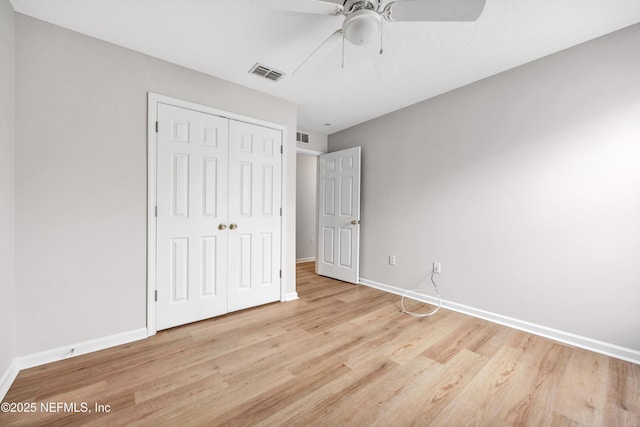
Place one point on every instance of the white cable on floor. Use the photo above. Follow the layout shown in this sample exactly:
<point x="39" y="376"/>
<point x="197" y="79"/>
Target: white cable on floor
<point x="431" y="313"/>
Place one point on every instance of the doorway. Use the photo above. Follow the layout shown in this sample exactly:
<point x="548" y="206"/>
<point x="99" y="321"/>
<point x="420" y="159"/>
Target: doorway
<point x="306" y="211"/>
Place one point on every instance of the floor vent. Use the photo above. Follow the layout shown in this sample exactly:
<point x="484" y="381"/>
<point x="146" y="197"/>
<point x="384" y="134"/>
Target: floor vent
<point x="266" y="72"/>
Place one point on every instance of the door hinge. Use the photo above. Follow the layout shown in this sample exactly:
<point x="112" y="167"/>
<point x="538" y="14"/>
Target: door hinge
<point x="156" y="295"/>
<point x="156" y="210"/>
<point x="281" y="149"/>
<point x="280" y="211"/>
<point x="156" y="127"/>
<point x="281" y="274"/>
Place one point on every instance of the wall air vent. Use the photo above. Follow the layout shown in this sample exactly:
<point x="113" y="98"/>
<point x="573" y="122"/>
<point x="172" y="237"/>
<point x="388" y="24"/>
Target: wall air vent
<point x="302" y="137"/>
<point x="266" y="72"/>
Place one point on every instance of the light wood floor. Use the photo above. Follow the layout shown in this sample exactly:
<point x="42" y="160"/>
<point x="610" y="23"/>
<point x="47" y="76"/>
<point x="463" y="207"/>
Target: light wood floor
<point x="342" y="355"/>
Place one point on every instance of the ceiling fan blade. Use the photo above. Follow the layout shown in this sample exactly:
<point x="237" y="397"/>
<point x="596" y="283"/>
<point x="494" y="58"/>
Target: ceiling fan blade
<point x="434" y="10"/>
<point x="317" y="7"/>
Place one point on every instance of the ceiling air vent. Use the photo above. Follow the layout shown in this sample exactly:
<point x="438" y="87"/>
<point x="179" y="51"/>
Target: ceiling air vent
<point x="266" y="72"/>
<point x="302" y="137"/>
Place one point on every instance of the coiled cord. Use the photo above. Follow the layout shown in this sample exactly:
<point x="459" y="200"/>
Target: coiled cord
<point x="431" y="313"/>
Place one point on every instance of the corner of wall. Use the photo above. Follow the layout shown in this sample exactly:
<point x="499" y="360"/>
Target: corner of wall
<point x="8" y="369"/>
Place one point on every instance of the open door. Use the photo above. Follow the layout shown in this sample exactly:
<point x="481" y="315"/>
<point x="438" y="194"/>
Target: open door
<point x="339" y="215"/>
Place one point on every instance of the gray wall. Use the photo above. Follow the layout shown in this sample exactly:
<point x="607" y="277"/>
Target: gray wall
<point x="7" y="195"/>
<point x="306" y="173"/>
<point x="525" y="186"/>
<point x="81" y="179"/>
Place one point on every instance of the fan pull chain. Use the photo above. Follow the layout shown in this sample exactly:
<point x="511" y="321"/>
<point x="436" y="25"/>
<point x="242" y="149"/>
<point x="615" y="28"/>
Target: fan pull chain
<point x="381" y="26"/>
<point x="343" y="50"/>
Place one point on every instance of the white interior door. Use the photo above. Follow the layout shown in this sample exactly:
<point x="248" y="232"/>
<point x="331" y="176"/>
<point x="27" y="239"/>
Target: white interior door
<point x="339" y="215"/>
<point x="192" y="156"/>
<point x="255" y="161"/>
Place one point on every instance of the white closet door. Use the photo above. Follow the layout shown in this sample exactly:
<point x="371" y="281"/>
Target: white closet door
<point x="339" y="215"/>
<point x="192" y="155"/>
<point x="255" y="162"/>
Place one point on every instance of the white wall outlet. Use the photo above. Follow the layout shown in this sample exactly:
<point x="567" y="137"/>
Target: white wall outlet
<point x="392" y="260"/>
<point x="437" y="268"/>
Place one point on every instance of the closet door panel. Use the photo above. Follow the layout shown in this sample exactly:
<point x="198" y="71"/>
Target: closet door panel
<point x="192" y="195"/>
<point x="255" y="191"/>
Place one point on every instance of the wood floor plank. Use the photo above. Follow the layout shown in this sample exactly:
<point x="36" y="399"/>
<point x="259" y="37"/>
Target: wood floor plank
<point x="374" y="394"/>
<point x="623" y="394"/>
<point x="420" y="340"/>
<point x="160" y="385"/>
<point x="532" y="398"/>
<point x="465" y="335"/>
<point x="272" y="402"/>
<point x="315" y="410"/>
<point x="480" y="400"/>
<point x="583" y="390"/>
<point x="429" y="393"/>
<point x="340" y="355"/>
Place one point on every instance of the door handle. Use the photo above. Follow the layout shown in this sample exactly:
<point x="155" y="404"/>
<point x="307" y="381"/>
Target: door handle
<point x="222" y="227"/>
<point x="233" y="226"/>
<point x="355" y="222"/>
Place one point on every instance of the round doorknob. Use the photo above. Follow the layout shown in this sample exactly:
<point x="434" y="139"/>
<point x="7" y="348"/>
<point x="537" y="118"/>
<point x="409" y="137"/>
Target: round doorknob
<point x="354" y="222"/>
<point x="222" y="227"/>
<point x="233" y="226"/>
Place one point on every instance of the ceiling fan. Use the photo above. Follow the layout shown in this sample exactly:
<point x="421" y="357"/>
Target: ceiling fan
<point x="364" y="18"/>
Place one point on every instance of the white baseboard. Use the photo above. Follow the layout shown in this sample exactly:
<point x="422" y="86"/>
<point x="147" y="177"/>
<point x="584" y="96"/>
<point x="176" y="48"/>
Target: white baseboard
<point x="602" y="347"/>
<point x="8" y="377"/>
<point x="291" y="296"/>
<point x="299" y="260"/>
<point x="65" y="352"/>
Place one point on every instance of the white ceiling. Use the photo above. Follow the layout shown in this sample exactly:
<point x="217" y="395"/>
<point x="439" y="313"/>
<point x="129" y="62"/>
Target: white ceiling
<point x="224" y="38"/>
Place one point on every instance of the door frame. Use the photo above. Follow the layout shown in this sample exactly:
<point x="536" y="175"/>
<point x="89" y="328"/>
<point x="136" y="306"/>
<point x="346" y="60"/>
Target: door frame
<point x="153" y="99"/>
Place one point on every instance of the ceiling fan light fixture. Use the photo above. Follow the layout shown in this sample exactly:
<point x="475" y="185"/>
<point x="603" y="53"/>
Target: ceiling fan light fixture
<point x="362" y="26"/>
